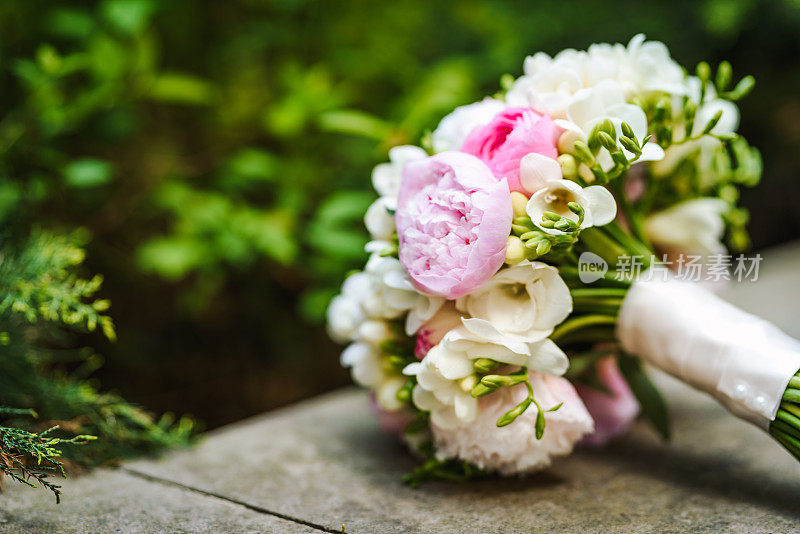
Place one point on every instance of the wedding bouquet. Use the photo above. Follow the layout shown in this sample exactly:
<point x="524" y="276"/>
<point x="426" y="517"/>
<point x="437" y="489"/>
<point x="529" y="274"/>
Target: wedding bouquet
<point x="542" y="244"/>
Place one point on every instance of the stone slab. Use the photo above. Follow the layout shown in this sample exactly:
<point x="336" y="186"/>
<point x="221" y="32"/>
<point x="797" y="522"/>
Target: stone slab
<point x="323" y="465"/>
<point x="114" y="501"/>
<point x="325" y="460"/>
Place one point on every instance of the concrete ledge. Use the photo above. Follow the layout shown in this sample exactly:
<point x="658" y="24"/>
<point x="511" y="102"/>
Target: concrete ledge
<point x="323" y="464"/>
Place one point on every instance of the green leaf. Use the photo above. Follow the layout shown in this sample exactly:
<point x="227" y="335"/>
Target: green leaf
<point x="356" y="123"/>
<point x="181" y="88"/>
<point x="88" y="172"/>
<point x="129" y="16"/>
<point x="654" y="408"/>
<point x="70" y="23"/>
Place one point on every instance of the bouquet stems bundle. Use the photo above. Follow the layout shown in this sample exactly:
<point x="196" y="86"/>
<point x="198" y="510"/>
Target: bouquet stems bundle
<point x="513" y="293"/>
<point x="786" y="426"/>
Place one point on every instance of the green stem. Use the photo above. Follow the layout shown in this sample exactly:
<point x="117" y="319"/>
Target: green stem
<point x="608" y="278"/>
<point x="630" y="214"/>
<point x="598" y="292"/>
<point x="595" y="240"/>
<point x="578" y="323"/>
<point x="590" y="335"/>
<point x="635" y="247"/>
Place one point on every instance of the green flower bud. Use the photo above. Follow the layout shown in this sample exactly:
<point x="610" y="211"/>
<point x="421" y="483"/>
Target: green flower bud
<point x="484" y="365"/>
<point x="519" y="203"/>
<point x="724" y="73"/>
<point x="569" y="167"/>
<point x="713" y="122"/>
<point x="583" y="153"/>
<point x="515" y="250"/>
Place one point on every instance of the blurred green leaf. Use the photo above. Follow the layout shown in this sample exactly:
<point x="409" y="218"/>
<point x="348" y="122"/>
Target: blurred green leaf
<point x="356" y="123"/>
<point x="182" y="89"/>
<point x="172" y="257"/>
<point x="70" y="23"/>
<point x="129" y="16"/>
<point x="88" y="172"/>
<point x="654" y="407"/>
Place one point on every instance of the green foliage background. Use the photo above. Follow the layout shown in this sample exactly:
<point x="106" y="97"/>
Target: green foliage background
<point x="215" y="156"/>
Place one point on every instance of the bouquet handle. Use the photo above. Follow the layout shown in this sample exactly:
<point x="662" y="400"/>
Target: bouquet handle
<point x="743" y="361"/>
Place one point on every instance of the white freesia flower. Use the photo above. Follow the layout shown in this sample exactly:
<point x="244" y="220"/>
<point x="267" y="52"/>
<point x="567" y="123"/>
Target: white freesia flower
<point x="598" y="203"/>
<point x="379" y="219"/>
<point x="345" y="314"/>
<point x="514" y="449"/>
<point x="694" y="227"/>
<point x="446" y="376"/>
<point x="728" y="122"/>
<point x="455" y="127"/>
<point x="527" y="300"/>
<point x="645" y="67"/>
<point x="367" y="366"/>
<point x="364" y="362"/>
<point x="703" y="150"/>
<point x="592" y="106"/>
<point x="391" y="294"/>
<point x="367" y="363"/>
<point x="386" y="176"/>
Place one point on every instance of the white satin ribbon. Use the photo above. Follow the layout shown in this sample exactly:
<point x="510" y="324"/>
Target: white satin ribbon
<point x="741" y="360"/>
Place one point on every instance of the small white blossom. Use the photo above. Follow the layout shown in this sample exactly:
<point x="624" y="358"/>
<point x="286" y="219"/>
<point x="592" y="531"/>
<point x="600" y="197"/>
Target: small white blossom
<point x="379" y="219"/>
<point x="598" y="203"/>
<point x="549" y="84"/>
<point x="386" y="176"/>
<point x="455" y="127"/>
<point x="527" y="300"/>
<point x="446" y="376"/>
<point x="695" y="227"/>
<point x="345" y="314"/>
<point x="391" y="294"/>
<point x="592" y="106"/>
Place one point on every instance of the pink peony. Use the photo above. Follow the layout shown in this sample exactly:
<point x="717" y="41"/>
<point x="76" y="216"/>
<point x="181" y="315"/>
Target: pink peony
<point x="512" y="135"/>
<point x="453" y="220"/>
<point x="613" y="413"/>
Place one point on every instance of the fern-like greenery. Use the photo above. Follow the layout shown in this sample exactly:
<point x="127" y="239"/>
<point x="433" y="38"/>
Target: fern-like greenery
<point x="42" y="299"/>
<point x="28" y="457"/>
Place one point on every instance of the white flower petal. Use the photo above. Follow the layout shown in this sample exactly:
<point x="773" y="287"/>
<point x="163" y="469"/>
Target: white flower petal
<point x="547" y="357"/>
<point x="585" y="106"/>
<point x="535" y="170"/>
<point x="602" y="205"/>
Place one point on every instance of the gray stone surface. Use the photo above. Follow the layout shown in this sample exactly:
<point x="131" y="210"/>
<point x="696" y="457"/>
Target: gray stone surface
<point x="325" y="463"/>
<point x="115" y="501"/>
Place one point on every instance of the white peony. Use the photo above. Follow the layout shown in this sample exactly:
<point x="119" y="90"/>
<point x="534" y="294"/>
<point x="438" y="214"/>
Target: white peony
<point x="694" y="226"/>
<point x="514" y="449"/>
<point x="526" y="300"/>
<point x="446" y="376"/>
<point x="455" y="127"/>
<point x="598" y="203"/>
